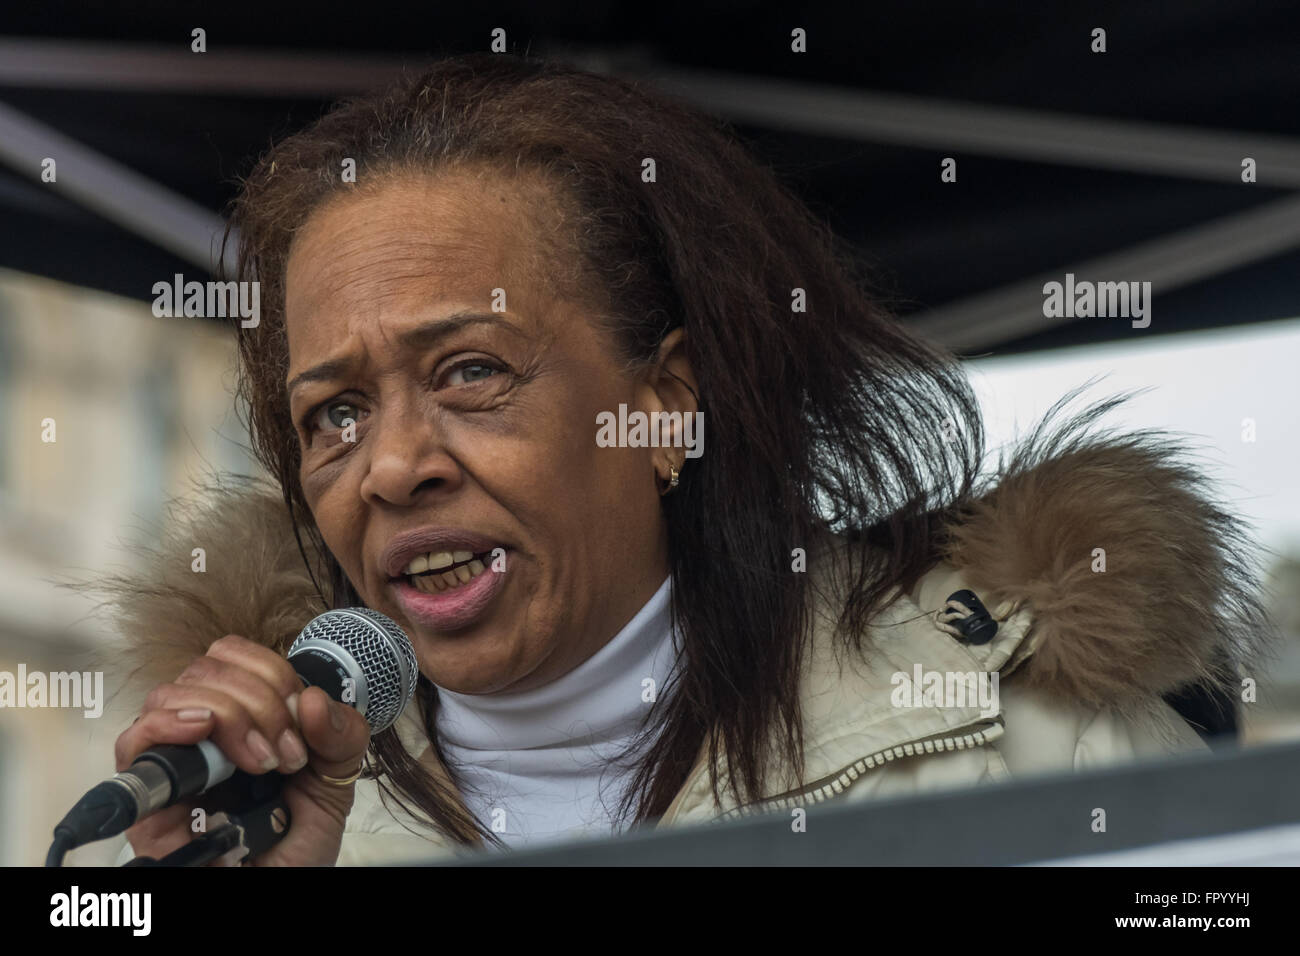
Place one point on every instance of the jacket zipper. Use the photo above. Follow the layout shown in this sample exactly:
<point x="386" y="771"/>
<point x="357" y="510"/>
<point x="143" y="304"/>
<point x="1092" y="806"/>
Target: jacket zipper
<point x="978" y="734"/>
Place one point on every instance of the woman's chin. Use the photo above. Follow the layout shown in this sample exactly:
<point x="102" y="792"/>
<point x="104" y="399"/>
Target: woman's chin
<point x="465" y="671"/>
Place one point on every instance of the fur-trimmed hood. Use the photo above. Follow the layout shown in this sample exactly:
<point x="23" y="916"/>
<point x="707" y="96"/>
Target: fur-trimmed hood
<point x="1139" y="581"/>
<point x="1114" y="576"/>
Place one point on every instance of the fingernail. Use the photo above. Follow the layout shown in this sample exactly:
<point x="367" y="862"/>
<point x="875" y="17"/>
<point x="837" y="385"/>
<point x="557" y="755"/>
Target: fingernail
<point x="193" y="713"/>
<point x="294" y="754"/>
<point x="336" y="716"/>
<point x="292" y="703"/>
<point x="261" y="750"/>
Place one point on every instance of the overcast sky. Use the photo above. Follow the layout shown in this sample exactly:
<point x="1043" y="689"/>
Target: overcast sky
<point x="1203" y="384"/>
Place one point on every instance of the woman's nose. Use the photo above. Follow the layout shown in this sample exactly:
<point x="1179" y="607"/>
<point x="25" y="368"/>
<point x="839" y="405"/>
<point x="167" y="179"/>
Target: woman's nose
<point x="407" y="455"/>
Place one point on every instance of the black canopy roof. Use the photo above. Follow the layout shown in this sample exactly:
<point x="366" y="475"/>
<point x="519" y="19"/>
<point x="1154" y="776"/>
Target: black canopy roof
<point x="858" y="123"/>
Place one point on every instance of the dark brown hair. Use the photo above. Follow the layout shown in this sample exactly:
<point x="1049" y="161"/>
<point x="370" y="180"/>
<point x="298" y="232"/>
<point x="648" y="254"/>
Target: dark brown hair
<point x="833" y="419"/>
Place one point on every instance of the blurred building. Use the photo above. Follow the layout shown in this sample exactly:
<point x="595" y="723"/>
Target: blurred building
<point x="140" y="406"/>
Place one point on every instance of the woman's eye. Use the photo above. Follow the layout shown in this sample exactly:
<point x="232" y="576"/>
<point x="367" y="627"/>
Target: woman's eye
<point x="339" y="414"/>
<point x="470" y="373"/>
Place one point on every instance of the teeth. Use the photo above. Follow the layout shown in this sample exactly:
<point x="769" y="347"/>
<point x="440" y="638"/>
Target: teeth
<point x="436" y="561"/>
<point x="454" y="578"/>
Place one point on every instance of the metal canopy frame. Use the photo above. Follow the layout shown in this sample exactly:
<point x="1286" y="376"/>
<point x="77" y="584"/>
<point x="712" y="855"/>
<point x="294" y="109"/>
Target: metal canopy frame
<point x="1172" y="261"/>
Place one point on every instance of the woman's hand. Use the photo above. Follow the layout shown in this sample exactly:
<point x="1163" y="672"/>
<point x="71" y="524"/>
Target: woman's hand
<point x="250" y="703"/>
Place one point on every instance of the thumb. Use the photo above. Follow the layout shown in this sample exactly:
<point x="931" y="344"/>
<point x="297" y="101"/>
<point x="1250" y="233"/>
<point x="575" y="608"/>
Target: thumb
<point x="336" y="735"/>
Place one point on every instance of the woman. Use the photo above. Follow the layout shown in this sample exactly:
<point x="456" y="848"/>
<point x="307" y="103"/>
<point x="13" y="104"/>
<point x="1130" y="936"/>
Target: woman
<point x="614" y="633"/>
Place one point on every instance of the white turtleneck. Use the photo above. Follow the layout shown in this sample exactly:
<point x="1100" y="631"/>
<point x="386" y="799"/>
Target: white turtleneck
<point x="536" y="765"/>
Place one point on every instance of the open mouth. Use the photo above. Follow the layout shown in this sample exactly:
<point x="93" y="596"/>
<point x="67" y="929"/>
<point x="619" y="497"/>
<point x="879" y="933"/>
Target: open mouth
<point x="445" y="570"/>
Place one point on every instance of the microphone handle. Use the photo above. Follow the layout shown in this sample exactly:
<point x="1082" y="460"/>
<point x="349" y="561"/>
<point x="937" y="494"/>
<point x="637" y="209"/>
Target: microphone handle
<point x="189" y="768"/>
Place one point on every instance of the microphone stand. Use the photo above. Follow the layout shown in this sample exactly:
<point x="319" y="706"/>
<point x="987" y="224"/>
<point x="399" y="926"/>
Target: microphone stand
<point x="257" y="819"/>
<point x="197" y="852"/>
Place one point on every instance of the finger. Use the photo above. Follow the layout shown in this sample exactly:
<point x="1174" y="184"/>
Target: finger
<point x="233" y="731"/>
<point x="263" y="662"/>
<point x="163" y="832"/>
<point x="177" y="726"/>
<point x="266" y="704"/>
<point x="336" y="735"/>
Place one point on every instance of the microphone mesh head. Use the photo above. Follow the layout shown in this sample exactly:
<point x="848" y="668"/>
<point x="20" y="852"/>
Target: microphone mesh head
<point x="380" y="648"/>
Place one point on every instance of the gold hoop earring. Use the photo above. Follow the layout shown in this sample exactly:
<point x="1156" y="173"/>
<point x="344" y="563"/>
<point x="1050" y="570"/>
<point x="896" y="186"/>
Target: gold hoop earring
<point x="672" y="481"/>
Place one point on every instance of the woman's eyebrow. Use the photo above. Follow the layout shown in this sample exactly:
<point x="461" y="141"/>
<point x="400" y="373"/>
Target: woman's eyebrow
<point x="422" y="336"/>
<point x="430" y="333"/>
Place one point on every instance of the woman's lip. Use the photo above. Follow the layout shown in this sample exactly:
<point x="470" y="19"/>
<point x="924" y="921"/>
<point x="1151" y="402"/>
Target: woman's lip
<point x="452" y="609"/>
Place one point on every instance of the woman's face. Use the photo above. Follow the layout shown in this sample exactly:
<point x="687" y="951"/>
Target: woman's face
<point x="475" y="430"/>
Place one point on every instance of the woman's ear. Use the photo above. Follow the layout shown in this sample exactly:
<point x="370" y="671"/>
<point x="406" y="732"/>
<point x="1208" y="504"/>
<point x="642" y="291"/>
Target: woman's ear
<point x="672" y="369"/>
<point x="670" y="388"/>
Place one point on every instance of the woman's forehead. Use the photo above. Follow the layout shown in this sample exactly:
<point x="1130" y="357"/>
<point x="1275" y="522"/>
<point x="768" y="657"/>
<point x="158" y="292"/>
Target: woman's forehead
<point x="416" y="238"/>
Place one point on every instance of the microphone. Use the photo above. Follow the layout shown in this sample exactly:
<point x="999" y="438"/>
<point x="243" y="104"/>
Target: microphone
<point x="356" y="655"/>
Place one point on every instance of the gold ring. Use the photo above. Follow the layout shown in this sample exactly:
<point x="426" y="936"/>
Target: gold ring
<point x="341" y="781"/>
